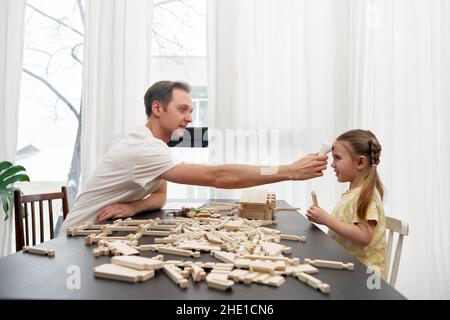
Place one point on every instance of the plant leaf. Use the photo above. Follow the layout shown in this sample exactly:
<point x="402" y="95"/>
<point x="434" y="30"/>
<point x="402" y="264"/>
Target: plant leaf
<point x="20" y="177"/>
<point x="5" y="204"/>
<point x="6" y="208"/>
<point x="10" y="172"/>
<point x="5" y="165"/>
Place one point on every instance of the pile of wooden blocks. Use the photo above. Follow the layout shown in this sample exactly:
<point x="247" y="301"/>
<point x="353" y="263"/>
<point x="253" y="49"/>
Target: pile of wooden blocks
<point x="196" y="213"/>
<point x="257" y="204"/>
<point x="210" y="210"/>
<point x="248" y="251"/>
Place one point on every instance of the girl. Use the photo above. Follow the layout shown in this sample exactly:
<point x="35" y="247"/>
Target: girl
<point x="357" y="222"/>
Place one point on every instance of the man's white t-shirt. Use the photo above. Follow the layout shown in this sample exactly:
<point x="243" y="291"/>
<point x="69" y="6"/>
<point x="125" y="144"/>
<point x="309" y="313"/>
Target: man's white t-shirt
<point x="128" y="172"/>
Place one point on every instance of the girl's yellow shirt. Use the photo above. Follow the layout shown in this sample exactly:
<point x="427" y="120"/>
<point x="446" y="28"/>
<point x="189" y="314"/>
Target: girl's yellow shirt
<point x="374" y="254"/>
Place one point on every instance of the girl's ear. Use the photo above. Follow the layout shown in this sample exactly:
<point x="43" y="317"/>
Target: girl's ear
<point x="361" y="162"/>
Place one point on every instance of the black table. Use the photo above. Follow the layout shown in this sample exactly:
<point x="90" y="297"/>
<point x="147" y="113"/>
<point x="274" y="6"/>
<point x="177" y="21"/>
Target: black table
<point x="29" y="276"/>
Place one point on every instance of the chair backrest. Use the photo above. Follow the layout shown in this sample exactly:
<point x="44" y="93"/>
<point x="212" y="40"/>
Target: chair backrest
<point x="21" y="214"/>
<point x="402" y="228"/>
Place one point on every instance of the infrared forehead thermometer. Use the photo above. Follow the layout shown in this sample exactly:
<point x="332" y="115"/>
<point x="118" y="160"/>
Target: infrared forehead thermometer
<point x="326" y="148"/>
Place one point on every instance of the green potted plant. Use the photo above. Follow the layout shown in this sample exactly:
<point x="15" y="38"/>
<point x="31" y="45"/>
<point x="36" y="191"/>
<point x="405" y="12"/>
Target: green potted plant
<point x="9" y="174"/>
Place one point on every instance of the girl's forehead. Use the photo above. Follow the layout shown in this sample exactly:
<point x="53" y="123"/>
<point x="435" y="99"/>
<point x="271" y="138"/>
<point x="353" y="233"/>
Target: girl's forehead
<point x="340" y="146"/>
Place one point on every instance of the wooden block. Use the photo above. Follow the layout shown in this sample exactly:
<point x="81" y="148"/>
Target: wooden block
<point x="213" y="238"/>
<point x="224" y="266"/>
<point x="116" y="272"/>
<point x="177" y="229"/>
<point x="198" y="274"/>
<point x="186" y="272"/>
<point x="85" y="232"/>
<point x="165" y="240"/>
<point x="163" y="227"/>
<point x="40" y="251"/>
<point x="180" y="252"/>
<point x="314" y="282"/>
<point x="249" y="277"/>
<point x="269" y="230"/>
<point x="242" y="263"/>
<point x="293" y="270"/>
<point x="171" y="221"/>
<point x="222" y="272"/>
<point x="113" y="228"/>
<point x="294" y="262"/>
<point x="275" y="281"/>
<point x="223" y="236"/>
<point x="138" y="263"/>
<point x="218" y="274"/>
<point x="261" y="278"/>
<point x="156" y="233"/>
<point x="88" y="240"/>
<point x="272" y="249"/>
<point x="257" y="215"/>
<point x="198" y="247"/>
<point x="256" y="257"/>
<point x="159" y="257"/>
<point x="234" y="225"/>
<point x="80" y="232"/>
<point x="287" y="209"/>
<point x="219" y="284"/>
<point x="176" y="277"/>
<point x="100" y="251"/>
<point x="237" y="275"/>
<point x="133" y="222"/>
<point x="92" y="238"/>
<point x="287" y="250"/>
<point x="280" y="265"/>
<point x="224" y="256"/>
<point x="208" y="265"/>
<point x="105" y="243"/>
<point x="147" y="247"/>
<point x="122" y="248"/>
<point x="293" y="237"/>
<point x="314" y="199"/>
<point x="263" y="267"/>
<point x="330" y="264"/>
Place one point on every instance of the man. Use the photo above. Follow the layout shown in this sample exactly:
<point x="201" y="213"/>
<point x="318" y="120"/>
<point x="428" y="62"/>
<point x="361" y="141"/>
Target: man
<point x="132" y="176"/>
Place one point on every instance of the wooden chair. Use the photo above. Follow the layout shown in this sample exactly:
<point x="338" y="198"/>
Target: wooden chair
<point x="402" y="228"/>
<point x="22" y="201"/>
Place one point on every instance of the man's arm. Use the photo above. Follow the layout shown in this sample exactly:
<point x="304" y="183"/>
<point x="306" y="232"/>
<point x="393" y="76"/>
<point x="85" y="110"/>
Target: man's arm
<point x="245" y="176"/>
<point x="155" y="201"/>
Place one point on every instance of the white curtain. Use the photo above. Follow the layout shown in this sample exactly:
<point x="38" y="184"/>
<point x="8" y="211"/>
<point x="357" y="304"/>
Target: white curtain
<point x="115" y="76"/>
<point x="276" y="73"/>
<point x="11" y="53"/>
<point x="311" y="70"/>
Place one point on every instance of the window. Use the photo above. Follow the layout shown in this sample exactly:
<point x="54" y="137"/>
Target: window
<point x="179" y="53"/>
<point x="49" y="114"/>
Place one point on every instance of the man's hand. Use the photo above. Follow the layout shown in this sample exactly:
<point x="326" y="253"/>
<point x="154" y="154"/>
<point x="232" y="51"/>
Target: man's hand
<point x="309" y="167"/>
<point x="318" y="215"/>
<point x="117" y="210"/>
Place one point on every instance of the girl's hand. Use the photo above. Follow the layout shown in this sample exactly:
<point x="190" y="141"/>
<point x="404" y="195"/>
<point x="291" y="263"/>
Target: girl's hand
<point x="318" y="215"/>
<point x="117" y="210"/>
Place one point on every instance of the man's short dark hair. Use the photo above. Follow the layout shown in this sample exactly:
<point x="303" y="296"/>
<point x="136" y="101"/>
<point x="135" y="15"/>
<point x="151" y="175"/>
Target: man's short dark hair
<point x="162" y="91"/>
